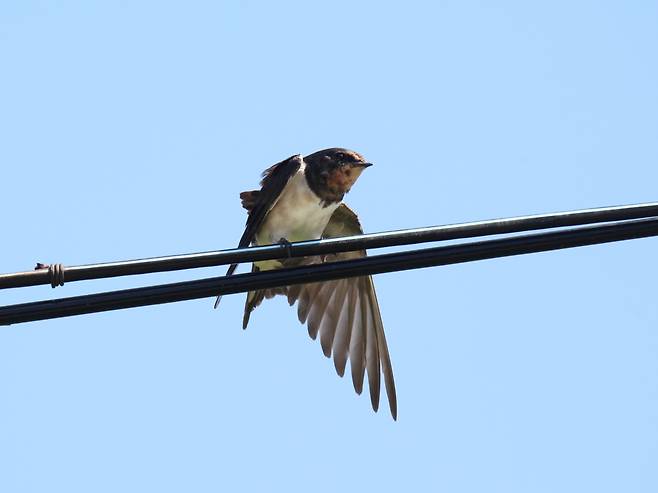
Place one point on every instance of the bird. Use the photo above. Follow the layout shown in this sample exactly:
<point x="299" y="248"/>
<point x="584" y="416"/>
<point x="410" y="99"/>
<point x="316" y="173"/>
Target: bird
<point x="301" y="198"/>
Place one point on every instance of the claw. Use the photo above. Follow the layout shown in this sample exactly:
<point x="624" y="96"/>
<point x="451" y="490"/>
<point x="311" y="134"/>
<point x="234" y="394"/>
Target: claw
<point x="284" y="242"/>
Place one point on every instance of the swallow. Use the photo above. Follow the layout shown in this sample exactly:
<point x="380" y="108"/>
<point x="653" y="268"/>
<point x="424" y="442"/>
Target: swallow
<point x="301" y="199"/>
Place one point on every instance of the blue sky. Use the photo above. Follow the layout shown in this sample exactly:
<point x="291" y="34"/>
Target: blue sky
<point x="128" y="130"/>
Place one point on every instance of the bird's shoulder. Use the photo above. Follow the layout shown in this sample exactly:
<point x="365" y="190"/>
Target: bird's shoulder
<point x="273" y="175"/>
<point x="259" y="202"/>
<point x="343" y="222"/>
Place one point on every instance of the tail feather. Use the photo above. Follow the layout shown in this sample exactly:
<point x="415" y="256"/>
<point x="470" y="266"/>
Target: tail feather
<point x="254" y="298"/>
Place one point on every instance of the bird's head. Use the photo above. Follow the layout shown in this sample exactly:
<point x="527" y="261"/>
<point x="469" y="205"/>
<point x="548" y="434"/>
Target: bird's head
<point x="335" y="170"/>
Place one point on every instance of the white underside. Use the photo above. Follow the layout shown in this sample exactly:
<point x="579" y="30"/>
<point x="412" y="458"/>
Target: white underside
<point x="297" y="215"/>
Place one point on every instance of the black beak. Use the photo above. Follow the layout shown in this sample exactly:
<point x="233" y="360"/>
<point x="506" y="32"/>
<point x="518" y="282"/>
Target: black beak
<point x="366" y="165"/>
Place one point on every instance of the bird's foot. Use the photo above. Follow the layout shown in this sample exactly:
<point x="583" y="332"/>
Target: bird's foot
<point x="287" y="245"/>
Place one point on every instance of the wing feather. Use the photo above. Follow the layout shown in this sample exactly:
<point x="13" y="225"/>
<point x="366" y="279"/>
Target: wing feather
<point x="332" y="317"/>
<point x="345" y="313"/>
<point x="306" y="301"/>
<point x="275" y="179"/>
<point x="344" y="330"/>
<point x="387" y="368"/>
<point x="358" y="345"/>
<point x="372" y="345"/>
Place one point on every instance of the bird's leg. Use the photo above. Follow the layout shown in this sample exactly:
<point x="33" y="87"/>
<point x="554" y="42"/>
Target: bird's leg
<point x="292" y="262"/>
<point x="286" y="244"/>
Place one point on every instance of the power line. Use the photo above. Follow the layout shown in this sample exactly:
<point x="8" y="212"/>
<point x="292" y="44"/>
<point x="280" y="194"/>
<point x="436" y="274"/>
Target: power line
<point x="445" y="255"/>
<point x="57" y="274"/>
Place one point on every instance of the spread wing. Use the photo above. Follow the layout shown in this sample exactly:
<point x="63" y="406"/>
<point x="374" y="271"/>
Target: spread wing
<point x="275" y="179"/>
<point x="345" y="314"/>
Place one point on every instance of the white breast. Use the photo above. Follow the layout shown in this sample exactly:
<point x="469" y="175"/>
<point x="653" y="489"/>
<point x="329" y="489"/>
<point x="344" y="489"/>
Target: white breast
<point x="298" y="214"/>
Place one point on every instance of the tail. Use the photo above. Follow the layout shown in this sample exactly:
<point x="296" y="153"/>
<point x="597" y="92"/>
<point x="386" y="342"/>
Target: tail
<point x="229" y="272"/>
<point x="254" y="298"/>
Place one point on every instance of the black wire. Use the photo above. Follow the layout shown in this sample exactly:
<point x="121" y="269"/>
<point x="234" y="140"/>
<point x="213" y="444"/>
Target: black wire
<point x="392" y="262"/>
<point x="333" y="245"/>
